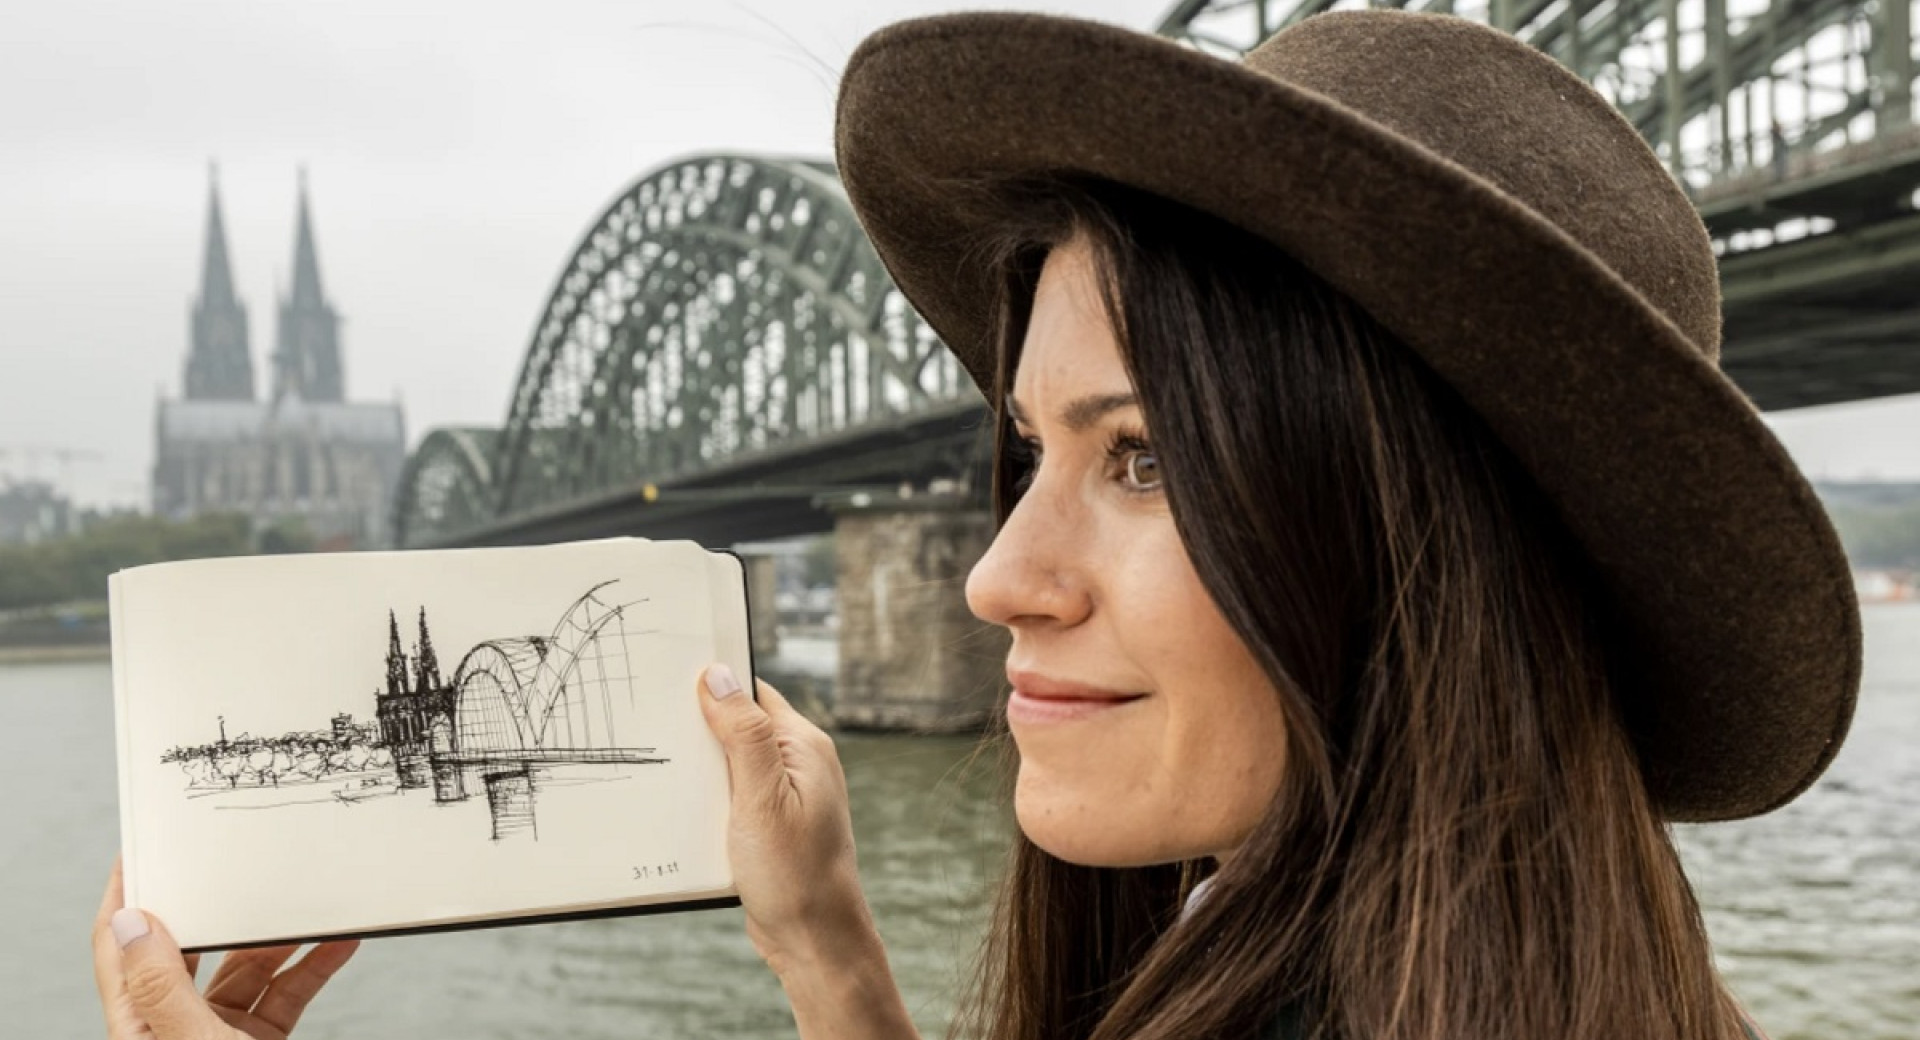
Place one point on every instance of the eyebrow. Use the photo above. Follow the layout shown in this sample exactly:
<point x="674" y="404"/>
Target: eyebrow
<point x="1080" y="413"/>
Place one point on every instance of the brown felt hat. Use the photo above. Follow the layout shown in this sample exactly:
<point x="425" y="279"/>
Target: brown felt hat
<point x="1494" y="212"/>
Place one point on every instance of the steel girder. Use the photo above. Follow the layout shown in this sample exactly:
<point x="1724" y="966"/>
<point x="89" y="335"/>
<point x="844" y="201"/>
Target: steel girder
<point x="723" y="306"/>
<point x="771" y="496"/>
<point x="1728" y="51"/>
<point x="445" y="486"/>
<point x="1789" y="123"/>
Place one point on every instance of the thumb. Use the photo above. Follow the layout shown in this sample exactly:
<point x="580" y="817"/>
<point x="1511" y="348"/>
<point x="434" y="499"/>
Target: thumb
<point x="158" y="986"/>
<point x="746" y="731"/>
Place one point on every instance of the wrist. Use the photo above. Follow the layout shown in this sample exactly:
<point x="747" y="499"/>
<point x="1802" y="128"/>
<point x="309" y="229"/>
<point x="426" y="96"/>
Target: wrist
<point x="822" y="925"/>
<point x="837" y="943"/>
<point x="843" y="988"/>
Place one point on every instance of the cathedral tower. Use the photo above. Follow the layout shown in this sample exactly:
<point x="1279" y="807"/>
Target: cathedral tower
<point x="302" y="457"/>
<point x="306" y="355"/>
<point x="219" y="365"/>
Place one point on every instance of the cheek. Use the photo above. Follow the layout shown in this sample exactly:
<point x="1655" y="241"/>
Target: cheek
<point x="1185" y="773"/>
<point x="1223" y="748"/>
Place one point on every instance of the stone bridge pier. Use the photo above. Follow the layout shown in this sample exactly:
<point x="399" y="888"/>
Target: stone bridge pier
<point x="763" y="620"/>
<point x="912" y="657"/>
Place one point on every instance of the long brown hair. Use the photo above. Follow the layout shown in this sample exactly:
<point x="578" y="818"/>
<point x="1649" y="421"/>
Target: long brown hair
<point x="1462" y="846"/>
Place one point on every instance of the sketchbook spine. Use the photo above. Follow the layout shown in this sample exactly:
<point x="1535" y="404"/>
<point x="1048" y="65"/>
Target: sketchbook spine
<point x="123" y="731"/>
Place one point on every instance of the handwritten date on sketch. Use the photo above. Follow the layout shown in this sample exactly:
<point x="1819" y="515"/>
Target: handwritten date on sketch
<point x="655" y="870"/>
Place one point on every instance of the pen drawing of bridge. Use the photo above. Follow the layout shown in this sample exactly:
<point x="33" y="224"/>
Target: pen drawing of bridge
<point x="514" y="710"/>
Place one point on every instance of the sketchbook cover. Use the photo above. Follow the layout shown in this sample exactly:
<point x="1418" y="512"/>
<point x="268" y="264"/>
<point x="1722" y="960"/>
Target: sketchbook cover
<point x="366" y="743"/>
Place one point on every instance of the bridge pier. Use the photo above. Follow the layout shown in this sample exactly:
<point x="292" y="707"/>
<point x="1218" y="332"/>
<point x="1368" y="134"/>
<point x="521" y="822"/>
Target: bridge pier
<point x="763" y="617"/>
<point x="510" y="801"/>
<point x="411" y="766"/>
<point x="912" y="657"/>
<point x="448" y="784"/>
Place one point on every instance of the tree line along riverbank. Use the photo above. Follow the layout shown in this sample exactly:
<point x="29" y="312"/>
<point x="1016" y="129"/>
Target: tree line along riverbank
<point x="53" y="593"/>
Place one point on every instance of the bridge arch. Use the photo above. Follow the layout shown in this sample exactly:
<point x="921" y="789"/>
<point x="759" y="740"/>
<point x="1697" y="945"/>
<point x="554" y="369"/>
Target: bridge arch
<point x="445" y="486"/>
<point x="552" y="692"/>
<point x="722" y="307"/>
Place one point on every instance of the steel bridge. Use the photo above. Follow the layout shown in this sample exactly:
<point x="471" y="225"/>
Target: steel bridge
<point x="723" y="348"/>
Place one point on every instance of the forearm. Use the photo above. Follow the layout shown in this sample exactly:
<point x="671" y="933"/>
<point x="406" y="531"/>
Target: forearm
<point x="848" y="994"/>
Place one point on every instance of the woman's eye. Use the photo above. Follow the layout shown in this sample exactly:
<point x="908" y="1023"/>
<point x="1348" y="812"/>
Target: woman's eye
<point x="1025" y="458"/>
<point x="1138" y="467"/>
<point x="1143" y="471"/>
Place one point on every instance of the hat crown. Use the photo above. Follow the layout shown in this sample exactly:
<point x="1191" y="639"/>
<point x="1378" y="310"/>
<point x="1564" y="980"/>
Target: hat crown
<point x="1511" y="115"/>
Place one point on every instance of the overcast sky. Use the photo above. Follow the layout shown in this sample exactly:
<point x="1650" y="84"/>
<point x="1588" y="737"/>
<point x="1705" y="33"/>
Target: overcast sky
<point x="454" y="154"/>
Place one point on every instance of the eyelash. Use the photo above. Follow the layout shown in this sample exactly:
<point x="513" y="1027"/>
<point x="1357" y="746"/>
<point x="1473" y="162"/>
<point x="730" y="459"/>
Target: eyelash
<point x="1121" y="443"/>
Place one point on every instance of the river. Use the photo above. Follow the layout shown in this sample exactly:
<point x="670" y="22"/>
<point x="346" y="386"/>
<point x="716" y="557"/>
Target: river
<point x="1814" y="910"/>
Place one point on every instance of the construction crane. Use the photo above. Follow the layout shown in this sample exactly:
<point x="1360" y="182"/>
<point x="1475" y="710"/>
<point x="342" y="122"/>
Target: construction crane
<point x="22" y="462"/>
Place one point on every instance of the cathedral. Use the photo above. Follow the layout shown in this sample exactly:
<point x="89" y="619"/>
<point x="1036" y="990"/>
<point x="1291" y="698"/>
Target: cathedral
<point x="298" y="453"/>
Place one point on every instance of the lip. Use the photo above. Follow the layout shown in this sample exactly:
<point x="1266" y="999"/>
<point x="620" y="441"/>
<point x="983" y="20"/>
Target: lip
<point x="1037" y="698"/>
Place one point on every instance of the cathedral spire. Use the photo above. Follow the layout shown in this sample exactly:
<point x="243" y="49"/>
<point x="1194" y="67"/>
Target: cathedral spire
<point x="219" y="366"/>
<point x="307" y="350"/>
<point x="216" y="274"/>
<point x="306" y="260"/>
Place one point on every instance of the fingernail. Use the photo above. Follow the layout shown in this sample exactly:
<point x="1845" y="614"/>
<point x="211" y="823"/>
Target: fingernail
<point x="128" y="924"/>
<point x="720" y="680"/>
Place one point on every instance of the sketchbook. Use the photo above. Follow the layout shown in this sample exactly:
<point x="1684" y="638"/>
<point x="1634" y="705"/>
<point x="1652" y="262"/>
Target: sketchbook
<point x="358" y="744"/>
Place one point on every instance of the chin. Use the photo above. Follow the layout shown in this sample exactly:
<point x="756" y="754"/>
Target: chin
<point x="1089" y="832"/>
<point x="1085" y="850"/>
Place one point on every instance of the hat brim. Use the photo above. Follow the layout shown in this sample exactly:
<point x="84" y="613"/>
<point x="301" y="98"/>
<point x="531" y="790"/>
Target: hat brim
<point x="1744" y="640"/>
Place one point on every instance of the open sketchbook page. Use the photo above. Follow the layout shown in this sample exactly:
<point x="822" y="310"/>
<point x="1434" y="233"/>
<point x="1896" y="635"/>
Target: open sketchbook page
<point x="346" y="743"/>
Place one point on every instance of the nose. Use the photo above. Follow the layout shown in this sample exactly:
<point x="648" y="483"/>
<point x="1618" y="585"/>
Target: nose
<point x="1035" y="571"/>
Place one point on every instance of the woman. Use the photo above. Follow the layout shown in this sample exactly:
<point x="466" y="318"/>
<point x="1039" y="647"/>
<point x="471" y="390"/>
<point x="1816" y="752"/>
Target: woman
<point x="1386" y="558"/>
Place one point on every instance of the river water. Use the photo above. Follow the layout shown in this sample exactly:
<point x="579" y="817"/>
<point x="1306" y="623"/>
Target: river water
<point x="1814" y="909"/>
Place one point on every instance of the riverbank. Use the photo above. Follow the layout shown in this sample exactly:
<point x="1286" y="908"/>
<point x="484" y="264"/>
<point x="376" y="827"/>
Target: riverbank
<point x="74" y="631"/>
<point x="53" y="654"/>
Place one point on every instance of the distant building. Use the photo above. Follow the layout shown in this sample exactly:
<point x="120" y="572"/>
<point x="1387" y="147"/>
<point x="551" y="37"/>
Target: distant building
<point x="347" y="732"/>
<point x="1879" y="586"/>
<point x="303" y="452"/>
<point x="32" y="511"/>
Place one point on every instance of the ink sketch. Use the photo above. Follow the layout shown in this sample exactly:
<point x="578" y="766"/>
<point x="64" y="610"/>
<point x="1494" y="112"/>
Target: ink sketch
<point x="516" y="713"/>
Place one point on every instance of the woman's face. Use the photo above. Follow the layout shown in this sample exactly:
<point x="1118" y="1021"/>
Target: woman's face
<point x="1147" y="732"/>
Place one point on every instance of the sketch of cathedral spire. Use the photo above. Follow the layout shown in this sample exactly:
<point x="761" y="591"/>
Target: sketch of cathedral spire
<point x="306" y="354"/>
<point x="219" y="365"/>
<point x="396" y="659"/>
<point x="426" y="667"/>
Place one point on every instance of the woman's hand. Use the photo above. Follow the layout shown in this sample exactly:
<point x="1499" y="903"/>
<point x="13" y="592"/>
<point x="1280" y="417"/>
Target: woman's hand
<point x="147" y="989"/>
<point x="790" y="838"/>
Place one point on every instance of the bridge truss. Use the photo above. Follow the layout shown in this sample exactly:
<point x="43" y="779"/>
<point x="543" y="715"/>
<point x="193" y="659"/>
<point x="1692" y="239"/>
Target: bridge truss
<point x="724" y="328"/>
<point x="1789" y="122"/>
<point x="724" y="309"/>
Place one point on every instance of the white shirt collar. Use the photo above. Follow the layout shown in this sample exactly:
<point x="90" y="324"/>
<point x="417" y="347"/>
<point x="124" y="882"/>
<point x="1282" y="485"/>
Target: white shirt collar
<point x="1194" y="897"/>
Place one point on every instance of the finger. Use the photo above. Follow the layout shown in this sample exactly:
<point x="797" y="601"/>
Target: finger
<point x="745" y="730"/>
<point x="775" y="702"/>
<point x="244" y="975"/>
<point x="794" y="723"/>
<point x="241" y="1021"/>
<point x="292" y="990"/>
<point x="161" y="992"/>
<point x="114" y="1005"/>
<point x="106" y="952"/>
